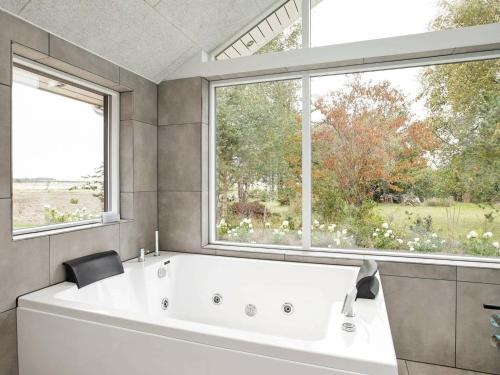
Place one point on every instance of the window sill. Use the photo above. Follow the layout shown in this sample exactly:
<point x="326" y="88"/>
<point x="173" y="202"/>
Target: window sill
<point x="51" y="232"/>
<point x="351" y="254"/>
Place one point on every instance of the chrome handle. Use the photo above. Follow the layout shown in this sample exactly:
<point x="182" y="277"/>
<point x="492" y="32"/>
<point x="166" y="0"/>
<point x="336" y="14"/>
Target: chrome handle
<point x="348" y="306"/>
<point x="495" y="341"/>
<point x="142" y="255"/>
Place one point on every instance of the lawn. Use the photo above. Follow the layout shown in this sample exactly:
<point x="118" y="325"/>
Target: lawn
<point x="28" y="204"/>
<point x="457" y="220"/>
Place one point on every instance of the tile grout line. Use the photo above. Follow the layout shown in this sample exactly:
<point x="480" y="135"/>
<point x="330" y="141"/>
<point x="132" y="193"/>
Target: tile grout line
<point x="157" y="163"/>
<point x="185" y="123"/>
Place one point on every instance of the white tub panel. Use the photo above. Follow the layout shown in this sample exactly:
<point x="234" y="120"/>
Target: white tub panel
<point x="118" y="351"/>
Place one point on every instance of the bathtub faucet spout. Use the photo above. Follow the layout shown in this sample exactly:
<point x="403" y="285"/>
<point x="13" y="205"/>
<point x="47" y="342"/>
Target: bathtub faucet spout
<point x="348" y="307"/>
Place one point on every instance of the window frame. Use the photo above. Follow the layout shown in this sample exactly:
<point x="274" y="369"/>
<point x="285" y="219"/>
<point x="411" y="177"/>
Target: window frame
<point x="306" y="247"/>
<point x="111" y="145"/>
<point x="306" y="45"/>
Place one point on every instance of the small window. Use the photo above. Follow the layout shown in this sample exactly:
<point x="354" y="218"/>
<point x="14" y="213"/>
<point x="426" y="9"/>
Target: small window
<point x="281" y="30"/>
<point x="60" y="153"/>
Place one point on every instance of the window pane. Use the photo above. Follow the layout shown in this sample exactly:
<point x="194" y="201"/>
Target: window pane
<point x="57" y="151"/>
<point x="335" y="21"/>
<point x="281" y="30"/>
<point x="258" y="171"/>
<point x="408" y="159"/>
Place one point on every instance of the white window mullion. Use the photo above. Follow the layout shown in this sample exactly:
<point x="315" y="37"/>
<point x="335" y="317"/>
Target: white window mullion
<point x="212" y="204"/>
<point x="306" y="23"/>
<point x="306" y="161"/>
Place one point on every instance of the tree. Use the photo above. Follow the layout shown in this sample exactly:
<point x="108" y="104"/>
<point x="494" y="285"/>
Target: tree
<point x="258" y="134"/>
<point x="257" y="126"/>
<point x="367" y="141"/>
<point x="459" y="98"/>
<point x="462" y="13"/>
<point x="94" y="182"/>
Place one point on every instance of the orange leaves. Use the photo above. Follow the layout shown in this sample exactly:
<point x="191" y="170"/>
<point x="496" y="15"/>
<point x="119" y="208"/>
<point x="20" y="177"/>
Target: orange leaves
<point x="366" y="137"/>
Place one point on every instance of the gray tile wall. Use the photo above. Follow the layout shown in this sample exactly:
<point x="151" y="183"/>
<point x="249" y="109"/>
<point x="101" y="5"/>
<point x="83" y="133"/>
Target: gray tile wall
<point x="30" y="264"/>
<point x="435" y="311"/>
<point x="182" y="180"/>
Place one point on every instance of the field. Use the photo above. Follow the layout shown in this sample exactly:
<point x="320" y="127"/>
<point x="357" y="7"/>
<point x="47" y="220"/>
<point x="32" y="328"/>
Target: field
<point x="31" y="199"/>
<point x="457" y="220"/>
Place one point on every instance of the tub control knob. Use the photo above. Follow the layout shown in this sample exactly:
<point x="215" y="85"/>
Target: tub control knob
<point x="251" y="310"/>
<point x="162" y="272"/>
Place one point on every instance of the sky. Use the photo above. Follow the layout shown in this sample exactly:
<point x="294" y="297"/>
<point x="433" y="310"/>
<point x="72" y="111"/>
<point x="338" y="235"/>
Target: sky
<point x="405" y="80"/>
<point x="54" y="136"/>
<point x="341" y="21"/>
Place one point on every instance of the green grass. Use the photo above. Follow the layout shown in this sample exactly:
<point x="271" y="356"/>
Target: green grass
<point x="467" y="217"/>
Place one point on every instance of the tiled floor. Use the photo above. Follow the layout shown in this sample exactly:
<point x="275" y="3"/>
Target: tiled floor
<point x="417" y="368"/>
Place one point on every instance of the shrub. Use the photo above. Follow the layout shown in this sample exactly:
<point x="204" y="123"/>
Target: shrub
<point x="248" y="209"/>
<point x="429" y="243"/>
<point x="483" y="245"/>
<point x="439" y="202"/>
<point x="362" y="220"/>
<point x="330" y="204"/>
<point x="422" y="226"/>
<point x="384" y="237"/>
<point x="54" y="216"/>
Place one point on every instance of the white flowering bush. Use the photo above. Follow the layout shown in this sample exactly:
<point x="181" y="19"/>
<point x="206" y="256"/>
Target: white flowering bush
<point x="384" y="237"/>
<point x="481" y="244"/>
<point x="280" y="232"/>
<point x="341" y="239"/>
<point x="54" y="216"/>
<point x="222" y="228"/>
<point x="428" y="244"/>
<point x="331" y="235"/>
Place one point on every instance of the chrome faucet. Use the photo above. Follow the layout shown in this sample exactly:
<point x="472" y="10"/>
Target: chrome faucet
<point x="142" y="255"/>
<point x="348" y="306"/>
<point x="157" y="244"/>
<point x="143" y="252"/>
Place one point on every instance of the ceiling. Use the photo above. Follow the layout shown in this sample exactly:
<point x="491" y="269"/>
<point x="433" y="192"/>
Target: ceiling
<point x="149" y="37"/>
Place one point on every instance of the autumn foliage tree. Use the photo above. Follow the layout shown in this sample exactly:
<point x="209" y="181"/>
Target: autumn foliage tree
<point x="366" y="143"/>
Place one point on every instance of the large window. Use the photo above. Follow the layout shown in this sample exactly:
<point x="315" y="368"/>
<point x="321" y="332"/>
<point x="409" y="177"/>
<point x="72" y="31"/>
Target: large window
<point x="401" y="160"/>
<point x="258" y="187"/>
<point x="60" y="151"/>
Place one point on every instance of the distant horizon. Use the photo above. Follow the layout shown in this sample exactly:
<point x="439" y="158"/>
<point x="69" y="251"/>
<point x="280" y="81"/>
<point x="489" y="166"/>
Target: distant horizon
<point x="44" y="179"/>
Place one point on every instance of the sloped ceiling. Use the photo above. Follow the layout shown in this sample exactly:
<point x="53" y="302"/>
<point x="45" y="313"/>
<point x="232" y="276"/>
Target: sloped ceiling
<point x="149" y="37"/>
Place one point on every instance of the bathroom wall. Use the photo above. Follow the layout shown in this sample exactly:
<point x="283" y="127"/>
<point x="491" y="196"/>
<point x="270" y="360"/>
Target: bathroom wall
<point x="436" y="311"/>
<point x="33" y="263"/>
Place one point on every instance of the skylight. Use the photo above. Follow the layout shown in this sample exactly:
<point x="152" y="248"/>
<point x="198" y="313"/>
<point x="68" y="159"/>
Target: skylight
<point x="276" y="23"/>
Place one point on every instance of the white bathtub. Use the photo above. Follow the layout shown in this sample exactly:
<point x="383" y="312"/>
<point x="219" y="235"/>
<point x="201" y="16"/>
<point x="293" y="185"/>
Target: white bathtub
<point x="118" y="325"/>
